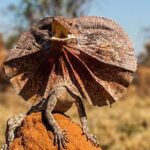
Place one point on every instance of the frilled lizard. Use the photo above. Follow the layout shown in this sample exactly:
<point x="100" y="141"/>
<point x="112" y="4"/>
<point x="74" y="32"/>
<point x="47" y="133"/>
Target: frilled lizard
<point x="59" y="61"/>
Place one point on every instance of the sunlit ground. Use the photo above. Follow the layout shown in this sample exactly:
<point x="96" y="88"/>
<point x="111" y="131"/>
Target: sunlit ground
<point x="125" y="126"/>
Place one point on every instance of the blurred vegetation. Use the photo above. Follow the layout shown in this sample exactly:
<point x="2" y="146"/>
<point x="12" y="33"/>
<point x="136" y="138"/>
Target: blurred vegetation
<point x="3" y="53"/>
<point x="144" y="57"/>
<point x="126" y="126"/>
<point x="142" y="77"/>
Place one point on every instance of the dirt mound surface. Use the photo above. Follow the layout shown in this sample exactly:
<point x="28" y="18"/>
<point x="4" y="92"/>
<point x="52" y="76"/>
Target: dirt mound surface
<point x="34" y="135"/>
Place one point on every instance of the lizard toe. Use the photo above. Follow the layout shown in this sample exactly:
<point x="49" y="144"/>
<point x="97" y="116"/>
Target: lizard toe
<point x="61" y="139"/>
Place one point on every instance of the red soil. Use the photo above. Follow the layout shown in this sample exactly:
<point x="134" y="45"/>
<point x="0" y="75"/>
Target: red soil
<point x="33" y="135"/>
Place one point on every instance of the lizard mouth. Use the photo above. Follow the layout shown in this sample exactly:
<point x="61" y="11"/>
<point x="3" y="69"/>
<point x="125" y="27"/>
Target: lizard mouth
<point x="61" y="32"/>
<point x="69" y="37"/>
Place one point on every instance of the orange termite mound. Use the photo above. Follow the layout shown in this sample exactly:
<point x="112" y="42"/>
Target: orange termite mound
<point x="34" y="135"/>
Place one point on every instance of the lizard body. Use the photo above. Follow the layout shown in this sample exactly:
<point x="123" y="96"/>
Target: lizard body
<point x="61" y="61"/>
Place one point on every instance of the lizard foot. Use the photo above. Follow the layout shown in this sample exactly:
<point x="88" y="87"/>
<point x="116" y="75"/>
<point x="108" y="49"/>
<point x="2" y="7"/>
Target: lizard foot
<point x="60" y="138"/>
<point x="4" y="147"/>
<point x="92" y="138"/>
<point x="12" y="125"/>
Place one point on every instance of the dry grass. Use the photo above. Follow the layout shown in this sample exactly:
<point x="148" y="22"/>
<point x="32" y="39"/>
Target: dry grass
<point x="10" y="104"/>
<point x="125" y="126"/>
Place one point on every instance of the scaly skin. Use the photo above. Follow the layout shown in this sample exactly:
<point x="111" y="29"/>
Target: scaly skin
<point x="50" y="105"/>
<point x="61" y="60"/>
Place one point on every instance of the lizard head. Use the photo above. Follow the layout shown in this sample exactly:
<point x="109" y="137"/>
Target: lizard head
<point x="62" y="30"/>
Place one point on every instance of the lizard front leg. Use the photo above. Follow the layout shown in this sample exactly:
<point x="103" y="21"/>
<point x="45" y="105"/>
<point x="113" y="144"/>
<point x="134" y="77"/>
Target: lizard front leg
<point x="12" y="124"/>
<point x="60" y="137"/>
<point x="83" y="119"/>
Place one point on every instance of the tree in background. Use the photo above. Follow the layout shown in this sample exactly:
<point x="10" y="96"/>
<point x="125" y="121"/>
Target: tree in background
<point x="142" y="75"/>
<point x="28" y="11"/>
<point x="3" y="53"/>
<point x="144" y="57"/>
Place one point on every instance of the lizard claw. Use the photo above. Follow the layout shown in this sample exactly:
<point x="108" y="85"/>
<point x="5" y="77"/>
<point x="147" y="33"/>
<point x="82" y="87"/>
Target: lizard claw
<point x="92" y="138"/>
<point x="60" y="138"/>
<point x="4" y="147"/>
